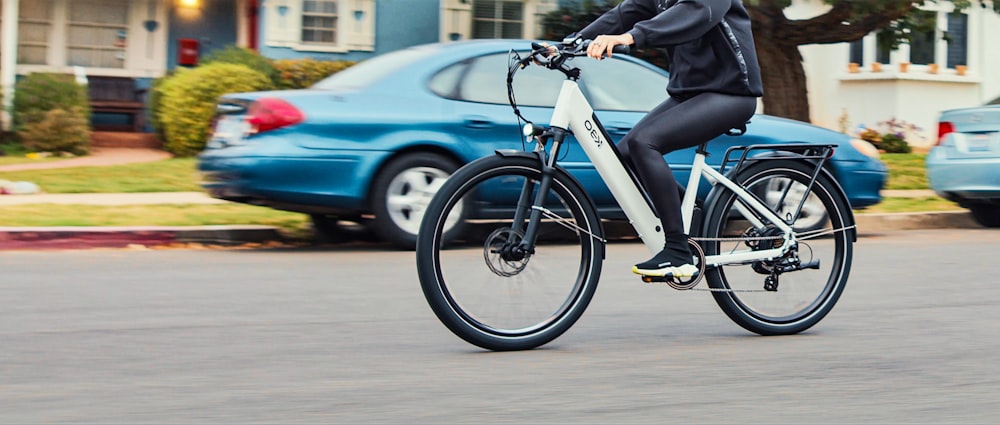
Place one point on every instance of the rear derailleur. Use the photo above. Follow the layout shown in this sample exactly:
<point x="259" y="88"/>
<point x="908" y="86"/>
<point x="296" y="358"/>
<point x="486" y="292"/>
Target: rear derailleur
<point x="769" y="238"/>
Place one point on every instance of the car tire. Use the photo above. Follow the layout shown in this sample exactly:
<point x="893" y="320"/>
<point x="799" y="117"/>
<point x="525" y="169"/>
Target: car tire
<point x="401" y="193"/>
<point x="987" y="215"/>
<point x="334" y="229"/>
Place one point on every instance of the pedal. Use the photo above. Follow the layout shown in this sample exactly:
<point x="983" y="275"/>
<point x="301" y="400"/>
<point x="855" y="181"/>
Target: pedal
<point x="657" y="279"/>
<point x="673" y="282"/>
<point x="685" y="283"/>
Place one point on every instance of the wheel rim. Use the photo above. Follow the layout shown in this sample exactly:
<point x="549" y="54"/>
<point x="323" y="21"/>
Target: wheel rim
<point x="409" y="193"/>
<point x="801" y="294"/>
<point x="516" y="296"/>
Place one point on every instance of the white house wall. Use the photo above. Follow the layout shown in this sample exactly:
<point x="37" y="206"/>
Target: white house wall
<point x="838" y="98"/>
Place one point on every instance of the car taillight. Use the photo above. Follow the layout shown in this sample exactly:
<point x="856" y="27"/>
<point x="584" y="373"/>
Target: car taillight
<point x="270" y="114"/>
<point x="944" y="127"/>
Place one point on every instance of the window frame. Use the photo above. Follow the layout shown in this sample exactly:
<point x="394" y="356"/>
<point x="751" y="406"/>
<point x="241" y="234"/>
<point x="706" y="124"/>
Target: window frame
<point x="336" y="27"/>
<point x="138" y="62"/>
<point x="354" y="29"/>
<point x="941" y="50"/>
<point x="496" y="22"/>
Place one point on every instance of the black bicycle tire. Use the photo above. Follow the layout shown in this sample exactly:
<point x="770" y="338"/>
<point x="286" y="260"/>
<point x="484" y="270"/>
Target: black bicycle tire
<point x="831" y="197"/>
<point x="430" y="242"/>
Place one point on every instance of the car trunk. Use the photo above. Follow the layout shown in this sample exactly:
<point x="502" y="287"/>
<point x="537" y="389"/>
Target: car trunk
<point x="976" y="133"/>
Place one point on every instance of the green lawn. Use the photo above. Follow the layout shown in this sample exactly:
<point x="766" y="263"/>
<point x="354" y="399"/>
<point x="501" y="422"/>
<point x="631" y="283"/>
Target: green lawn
<point x="171" y="175"/>
<point x="179" y="174"/>
<point x="906" y="170"/>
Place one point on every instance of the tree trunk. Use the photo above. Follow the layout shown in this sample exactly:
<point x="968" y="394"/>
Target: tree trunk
<point x="785" y="91"/>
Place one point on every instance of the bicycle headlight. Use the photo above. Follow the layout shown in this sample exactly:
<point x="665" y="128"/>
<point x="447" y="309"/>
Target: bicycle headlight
<point x="528" y="130"/>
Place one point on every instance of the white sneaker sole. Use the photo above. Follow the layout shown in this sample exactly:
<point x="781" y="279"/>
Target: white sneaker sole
<point x="687" y="270"/>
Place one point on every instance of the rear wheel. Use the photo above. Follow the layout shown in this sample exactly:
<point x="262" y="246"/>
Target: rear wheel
<point x="779" y="296"/>
<point x="334" y="229"/>
<point x="987" y="215"/>
<point x="401" y="192"/>
<point x="483" y="286"/>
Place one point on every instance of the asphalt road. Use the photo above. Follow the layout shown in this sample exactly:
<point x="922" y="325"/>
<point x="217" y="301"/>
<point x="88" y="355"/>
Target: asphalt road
<point x="344" y="336"/>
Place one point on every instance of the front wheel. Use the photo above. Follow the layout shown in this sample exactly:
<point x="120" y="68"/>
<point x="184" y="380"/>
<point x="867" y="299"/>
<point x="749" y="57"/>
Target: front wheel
<point x="792" y="293"/>
<point x="489" y="288"/>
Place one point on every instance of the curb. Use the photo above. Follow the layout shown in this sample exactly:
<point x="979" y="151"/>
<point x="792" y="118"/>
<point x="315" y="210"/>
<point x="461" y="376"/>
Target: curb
<point x="883" y="222"/>
<point x="32" y="238"/>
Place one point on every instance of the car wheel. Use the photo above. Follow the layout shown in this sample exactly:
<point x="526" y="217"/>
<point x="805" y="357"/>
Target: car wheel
<point x="986" y="214"/>
<point x="813" y="215"/>
<point x="401" y="193"/>
<point x="334" y="229"/>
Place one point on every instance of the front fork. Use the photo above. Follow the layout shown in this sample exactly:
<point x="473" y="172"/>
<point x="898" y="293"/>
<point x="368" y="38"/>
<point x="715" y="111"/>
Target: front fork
<point x="515" y="250"/>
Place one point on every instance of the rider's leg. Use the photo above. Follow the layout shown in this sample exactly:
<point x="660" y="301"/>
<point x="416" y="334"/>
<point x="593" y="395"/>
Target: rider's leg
<point x="671" y="126"/>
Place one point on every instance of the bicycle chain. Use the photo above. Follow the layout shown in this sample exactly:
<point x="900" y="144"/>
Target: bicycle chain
<point x="802" y="236"/>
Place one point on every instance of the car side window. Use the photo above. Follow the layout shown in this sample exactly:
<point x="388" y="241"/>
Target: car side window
<point x="620" y="85"/>
<point x="484" y="80"/>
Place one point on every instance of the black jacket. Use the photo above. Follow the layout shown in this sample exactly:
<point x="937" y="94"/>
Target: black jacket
<point x="709" y="41"/>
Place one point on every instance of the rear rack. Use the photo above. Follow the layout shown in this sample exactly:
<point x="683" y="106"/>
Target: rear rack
<point x="812" y="151"/>
<point x="815" y="154"/>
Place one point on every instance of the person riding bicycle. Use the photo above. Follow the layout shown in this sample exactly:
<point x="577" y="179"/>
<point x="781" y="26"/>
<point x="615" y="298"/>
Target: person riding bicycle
<point x="714" y="85"/>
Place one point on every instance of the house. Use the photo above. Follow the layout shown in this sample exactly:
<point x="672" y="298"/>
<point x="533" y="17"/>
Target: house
<point x="136" y="41"/>
<point x="948" y="67"/>
<point x="139" y="40"/>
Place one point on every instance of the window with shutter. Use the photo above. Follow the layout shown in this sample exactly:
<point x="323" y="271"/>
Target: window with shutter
<point x="497" y="19"/>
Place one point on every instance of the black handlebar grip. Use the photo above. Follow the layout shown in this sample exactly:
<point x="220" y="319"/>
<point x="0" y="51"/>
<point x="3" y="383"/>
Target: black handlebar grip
<point x="620" y="49"/>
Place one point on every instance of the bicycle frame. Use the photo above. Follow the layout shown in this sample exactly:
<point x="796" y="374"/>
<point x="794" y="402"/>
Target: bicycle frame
<point x="573" y="112"/>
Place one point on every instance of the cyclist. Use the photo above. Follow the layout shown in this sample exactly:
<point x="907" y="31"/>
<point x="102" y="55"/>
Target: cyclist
<point x="714" y="85"/>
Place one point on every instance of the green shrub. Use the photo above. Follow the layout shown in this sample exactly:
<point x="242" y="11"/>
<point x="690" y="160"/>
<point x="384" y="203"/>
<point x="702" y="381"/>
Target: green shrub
<point x="246" y="57"/>
<point x="155" y="103"/>
<point x="38" y="93"/>
<point x="188" y="102"/>
<point x="894" y="143"/>
<point x="302" y="73"/>
<point x="58" y="131"/>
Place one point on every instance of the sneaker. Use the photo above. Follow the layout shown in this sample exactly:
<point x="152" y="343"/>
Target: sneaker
<point x="671" y="261"/>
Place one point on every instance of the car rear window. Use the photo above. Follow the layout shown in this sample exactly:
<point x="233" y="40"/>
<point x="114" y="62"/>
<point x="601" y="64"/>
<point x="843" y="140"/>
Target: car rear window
<point x="371" y="70"/>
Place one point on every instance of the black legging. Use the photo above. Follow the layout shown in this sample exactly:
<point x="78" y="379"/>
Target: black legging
<point x="673" y="125"/>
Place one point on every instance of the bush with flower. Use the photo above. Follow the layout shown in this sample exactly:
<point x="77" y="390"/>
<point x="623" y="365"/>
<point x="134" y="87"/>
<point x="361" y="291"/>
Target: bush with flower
<point x="890" y="135"/>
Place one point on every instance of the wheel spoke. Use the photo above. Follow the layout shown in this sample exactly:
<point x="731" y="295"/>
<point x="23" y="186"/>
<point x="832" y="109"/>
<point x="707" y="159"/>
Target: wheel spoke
<point x="487" y="287"/>
<point x="793" y="298"/>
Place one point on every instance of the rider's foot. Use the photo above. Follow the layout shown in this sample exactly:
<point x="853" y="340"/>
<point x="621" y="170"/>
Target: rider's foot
<point x="674" y="260"/>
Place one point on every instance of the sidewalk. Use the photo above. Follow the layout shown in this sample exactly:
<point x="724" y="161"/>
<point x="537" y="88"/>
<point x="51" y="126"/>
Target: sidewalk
<point x="88" y="237"/>
<point x="98" y="157"/>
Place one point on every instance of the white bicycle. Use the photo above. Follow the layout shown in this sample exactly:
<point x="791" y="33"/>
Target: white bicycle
<point x="531" y="244"/>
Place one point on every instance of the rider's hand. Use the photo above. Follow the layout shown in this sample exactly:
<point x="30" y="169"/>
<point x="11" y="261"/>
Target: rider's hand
<point x="602" y="45"/>
<point x="551" y="52"/>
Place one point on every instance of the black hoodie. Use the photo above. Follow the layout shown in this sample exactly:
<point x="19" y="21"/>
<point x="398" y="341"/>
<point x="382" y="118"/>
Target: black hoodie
<point x="709" y="41"/>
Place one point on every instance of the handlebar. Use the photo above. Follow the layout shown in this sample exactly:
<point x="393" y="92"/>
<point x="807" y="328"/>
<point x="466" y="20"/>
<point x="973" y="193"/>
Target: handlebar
<point x="543" y="55"/>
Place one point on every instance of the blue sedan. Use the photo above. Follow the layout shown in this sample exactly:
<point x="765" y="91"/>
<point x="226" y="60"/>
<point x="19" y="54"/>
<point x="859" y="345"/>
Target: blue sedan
<point x="965" y="165"/>
<point x="371" y="144"/>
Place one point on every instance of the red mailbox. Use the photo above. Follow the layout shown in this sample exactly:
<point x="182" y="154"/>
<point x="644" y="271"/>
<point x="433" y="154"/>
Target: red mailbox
<point x="187" y="52"/>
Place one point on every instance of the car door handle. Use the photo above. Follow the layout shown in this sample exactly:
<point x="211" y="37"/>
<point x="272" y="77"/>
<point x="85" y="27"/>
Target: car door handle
<point x="479" y="122"/>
